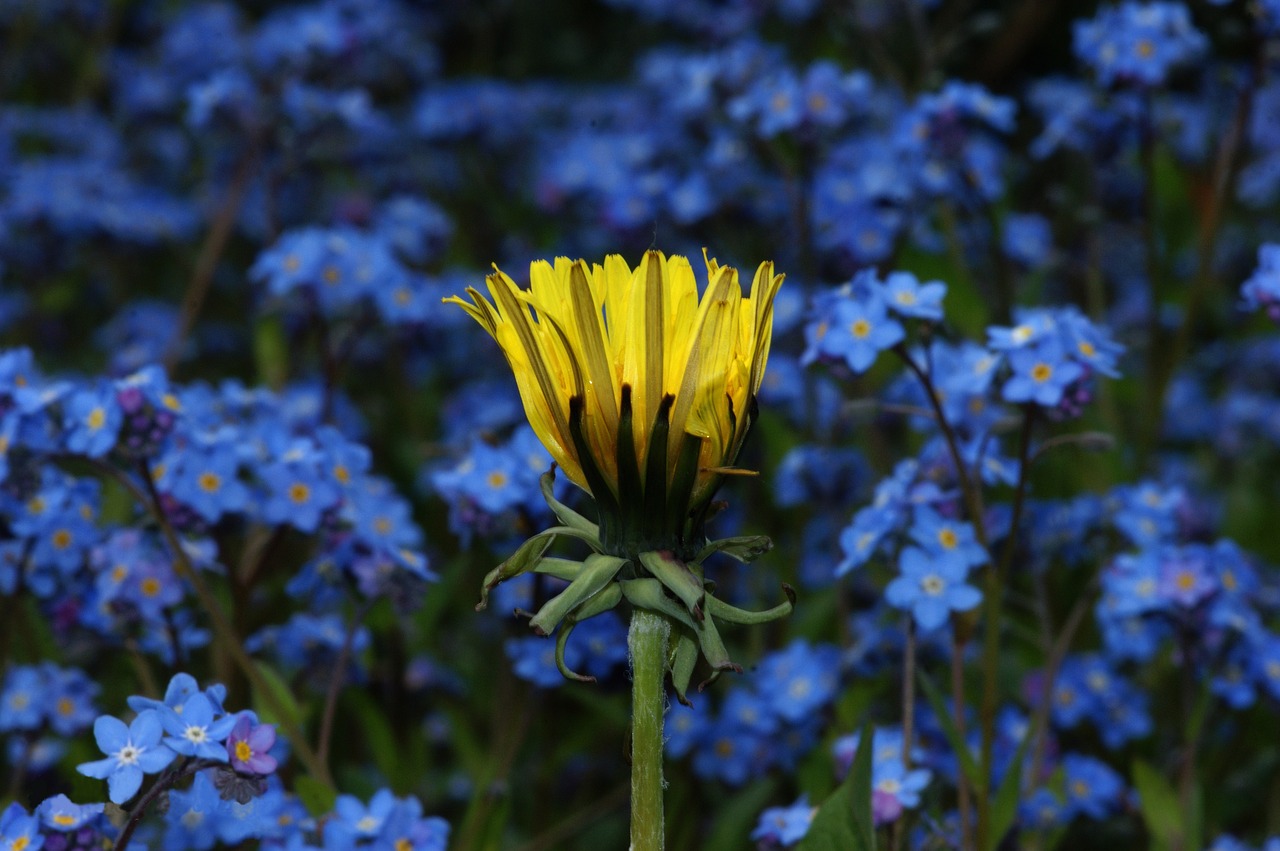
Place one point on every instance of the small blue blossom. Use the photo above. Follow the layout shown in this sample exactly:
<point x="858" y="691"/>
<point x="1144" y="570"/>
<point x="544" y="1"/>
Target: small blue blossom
<point x="931" y="588"/>
<point x="132" y="751"/>
<point x="60" y="814"/>
<point x="785" y="826"/>
<point x="20" y="830"/>
<point x="1041" y="374"/>
<point x="906" y="296"/>
<point x="194" y="732"/>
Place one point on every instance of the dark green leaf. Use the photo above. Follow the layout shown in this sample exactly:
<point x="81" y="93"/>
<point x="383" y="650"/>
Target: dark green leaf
<point x="1161" y="810"/>
<point x="843" y="822"/>
<point x="958" y="745"/>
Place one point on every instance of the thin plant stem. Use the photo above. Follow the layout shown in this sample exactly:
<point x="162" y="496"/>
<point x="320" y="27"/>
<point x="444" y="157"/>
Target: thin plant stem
<point x="963" y="805"/>
<point x="574" y="824"/>
<point x="908" y="711"/>
<point x="336" y="680"/>
<point x="647" y="641"/>
<point x="968" y="489"/>
<point x="149" y="499"/>
<point x="1226" y="170"/>
<point x="163" y="784"/>
<point x="1187" y="780"/>
<point x="993" y="603"/>
<point x="1151" y="252"/>
<point x="211" y="251"/>
<point x="1057" y="653"/>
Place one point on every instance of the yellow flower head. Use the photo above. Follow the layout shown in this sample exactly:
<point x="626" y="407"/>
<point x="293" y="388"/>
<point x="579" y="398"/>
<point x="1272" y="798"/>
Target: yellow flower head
<point x="642" y="394"/>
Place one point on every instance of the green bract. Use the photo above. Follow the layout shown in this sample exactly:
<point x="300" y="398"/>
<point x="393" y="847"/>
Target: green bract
<point x="656" y="581"/>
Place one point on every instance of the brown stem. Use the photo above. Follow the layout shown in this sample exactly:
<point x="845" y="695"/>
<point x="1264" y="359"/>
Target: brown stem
<point x="148" y="497"/>
<point x="163" y="784"/>
<point x="335" y="683"/>
<point x="908" y="712"/>
<point x="993" y="603"/>
<point x="211" y="251"/>
<point x="963" y="804"/>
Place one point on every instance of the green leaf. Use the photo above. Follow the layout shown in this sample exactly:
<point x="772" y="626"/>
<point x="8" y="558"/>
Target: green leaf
<point x="378" y="736"/>
<point x="1004" y="808"/>
<point x="843" y="822"/>
<point x="269" y="710"/>
<point x="271" y="352"/>
<point x="317" y="796"/>
<point x="958" y="745"/>
<point x="1161" y="810"/>
<point x="736" y="817"/>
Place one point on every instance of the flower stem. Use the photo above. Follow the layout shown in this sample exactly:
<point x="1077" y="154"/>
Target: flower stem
<point x="647" y="640"/>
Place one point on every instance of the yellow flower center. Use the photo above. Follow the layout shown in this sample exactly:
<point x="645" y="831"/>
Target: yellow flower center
<point x="948" y="538"/>
<point x="64" y="819"/>
<point x="150" y="586"/>
<point x="243" y="752"/>
<point x="299" y="493"/>
<point x="331" y="275"/>
<point x="61" y="539"/>
<point x="860" y="328"/>
<point x="97" y="419"/>
<point x="1042" y="372"/>
<point x="209" y="482"/>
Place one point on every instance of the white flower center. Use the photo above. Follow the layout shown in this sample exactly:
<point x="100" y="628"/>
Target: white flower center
<point x="932" y="585"/>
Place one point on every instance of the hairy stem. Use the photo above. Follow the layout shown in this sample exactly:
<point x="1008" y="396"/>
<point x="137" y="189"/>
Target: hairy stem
<point x="647" y="641"/>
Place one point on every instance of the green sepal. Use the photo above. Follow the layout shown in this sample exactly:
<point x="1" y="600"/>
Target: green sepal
<point x="717" y="655"/>
<point x="732" y="614"/>
<point x="678" y="579"/>
<point x="655" y="475"/>
<point x="649" y="594"/>
<point x="682" y="481"/>
<point x="597" y="572"/>
<point x="528" y="556"/>
<point x="682" y="657"/>
<point x="606" y="599"/>
<point x="564" y="513"/>
<point x="630" y="491"/>
<point x="525" y="558"/>
<point x="560" y="568"/>
<point x="601" y="491"/>
<point x="745" y="549"/>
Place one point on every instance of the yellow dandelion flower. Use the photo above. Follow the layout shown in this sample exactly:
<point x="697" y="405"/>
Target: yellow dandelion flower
<point x="642" y="392"/>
